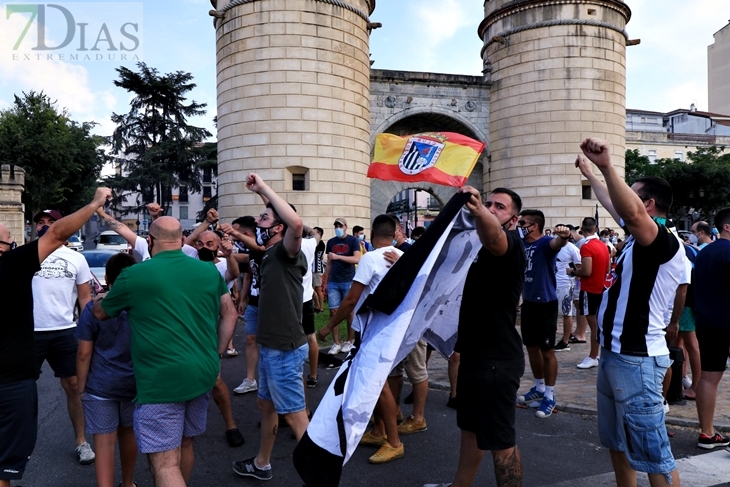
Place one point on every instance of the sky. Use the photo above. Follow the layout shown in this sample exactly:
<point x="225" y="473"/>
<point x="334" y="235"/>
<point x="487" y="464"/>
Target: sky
<point x="668" y="70"/>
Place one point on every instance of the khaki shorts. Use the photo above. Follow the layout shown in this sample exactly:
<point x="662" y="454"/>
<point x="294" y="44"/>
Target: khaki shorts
<point x="316" y="279"/>
<point x="414" y="364"/>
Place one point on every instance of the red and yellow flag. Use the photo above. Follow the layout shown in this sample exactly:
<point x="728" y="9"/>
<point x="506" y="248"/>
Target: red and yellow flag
<point x="445" y="158"/>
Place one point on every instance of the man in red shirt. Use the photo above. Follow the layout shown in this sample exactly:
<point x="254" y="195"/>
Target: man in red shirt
<point x="595" y="261"/>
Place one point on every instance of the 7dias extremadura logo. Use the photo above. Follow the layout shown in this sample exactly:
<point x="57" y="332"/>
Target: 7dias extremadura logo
<point x="91" y="31"/>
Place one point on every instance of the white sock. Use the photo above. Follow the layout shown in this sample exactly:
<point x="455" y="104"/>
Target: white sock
<point x="540" y="385"/>
<point x="549" y="392"/>
<point x="265" y="467"/>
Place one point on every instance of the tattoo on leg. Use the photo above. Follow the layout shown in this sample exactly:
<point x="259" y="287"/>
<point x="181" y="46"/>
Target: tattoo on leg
<point x="276" y="429"/>
<point x="508" y="471"/>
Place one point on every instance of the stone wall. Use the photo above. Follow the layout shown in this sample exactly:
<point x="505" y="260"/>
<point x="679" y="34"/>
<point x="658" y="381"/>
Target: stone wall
<point x="293" y="102"/>
<point x="12" y="183"/>
<point x="558" y="73"/>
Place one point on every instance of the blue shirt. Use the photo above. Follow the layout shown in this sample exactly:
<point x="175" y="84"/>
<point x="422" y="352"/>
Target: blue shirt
<point x="712" y="286"/>
<point x="111" y="375"/>
<point x="347" y="246"/>
<point x="540" y="284"/>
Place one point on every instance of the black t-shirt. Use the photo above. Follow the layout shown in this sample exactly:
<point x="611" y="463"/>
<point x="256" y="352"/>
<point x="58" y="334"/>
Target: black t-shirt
<point x="489" y="305"/>
<point x="404" y="246"/>
<point x="17" y="347"/>
<point x="254" y="263"/>
<point x="318" y="264"/>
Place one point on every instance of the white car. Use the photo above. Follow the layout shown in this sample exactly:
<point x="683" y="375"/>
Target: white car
<point x="111" y="240"/>
<point x="75" y="243"/>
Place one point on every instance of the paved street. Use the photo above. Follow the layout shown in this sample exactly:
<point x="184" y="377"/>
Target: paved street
<point x="562" y="451"/>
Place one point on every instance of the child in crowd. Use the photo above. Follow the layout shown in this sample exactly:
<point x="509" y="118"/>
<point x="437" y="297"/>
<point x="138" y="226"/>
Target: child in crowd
<point x="106" y="380"/>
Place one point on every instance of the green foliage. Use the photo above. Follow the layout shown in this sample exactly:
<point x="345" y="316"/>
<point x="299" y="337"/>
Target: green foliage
<point x="701" y="184"/>
<point x="61" y="158"/>
<point x="158" y="148"/>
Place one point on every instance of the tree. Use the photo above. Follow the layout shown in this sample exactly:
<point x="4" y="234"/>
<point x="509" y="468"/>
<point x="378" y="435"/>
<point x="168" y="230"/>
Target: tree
<point x="158" y="150"/>
<point x="61" y="158"/>
<point x="701" y="184"/>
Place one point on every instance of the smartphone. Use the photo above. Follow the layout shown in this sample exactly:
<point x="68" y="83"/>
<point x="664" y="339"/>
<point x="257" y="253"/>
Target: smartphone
<point x="572" y="266"/>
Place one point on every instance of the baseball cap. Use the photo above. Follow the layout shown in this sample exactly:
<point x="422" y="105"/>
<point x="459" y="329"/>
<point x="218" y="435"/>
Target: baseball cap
<point x="52" y="213"/>
<point x="341" y="221"/>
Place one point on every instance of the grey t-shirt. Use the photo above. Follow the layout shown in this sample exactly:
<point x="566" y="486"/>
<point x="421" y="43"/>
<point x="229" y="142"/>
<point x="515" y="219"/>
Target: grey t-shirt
<point x="280" y="299"/>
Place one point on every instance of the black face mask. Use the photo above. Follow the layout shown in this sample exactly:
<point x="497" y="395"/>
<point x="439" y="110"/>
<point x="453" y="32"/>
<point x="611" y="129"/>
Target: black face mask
<point x="43" y="230"/>
<point x="207" y="255"/>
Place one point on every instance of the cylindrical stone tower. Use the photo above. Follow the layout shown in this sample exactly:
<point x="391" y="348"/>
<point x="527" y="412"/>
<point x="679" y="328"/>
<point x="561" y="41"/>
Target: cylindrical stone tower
<point x="294" y="105"/>
<point x="558" y="74"/>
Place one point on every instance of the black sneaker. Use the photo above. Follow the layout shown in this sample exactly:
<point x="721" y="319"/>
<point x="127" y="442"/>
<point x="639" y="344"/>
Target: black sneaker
<point x="573" y="339"/>
<point x="311" y="382"/>
<point x="562" y="347"/>
<point x="247" y="468"/>
<point x="710" y="442"/>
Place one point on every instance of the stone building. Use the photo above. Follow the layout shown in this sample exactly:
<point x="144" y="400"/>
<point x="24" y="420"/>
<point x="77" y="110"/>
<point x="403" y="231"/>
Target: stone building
<point x="12" y="183"/>
<point x="298" y="103"/>
<point x="718" y="71"/>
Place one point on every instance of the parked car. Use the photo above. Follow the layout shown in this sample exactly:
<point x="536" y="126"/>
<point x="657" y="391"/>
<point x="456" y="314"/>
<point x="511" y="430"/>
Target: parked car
<point x="75" y="243"/>
<point x="97" y="262"/>
<point x="110" y="240"/>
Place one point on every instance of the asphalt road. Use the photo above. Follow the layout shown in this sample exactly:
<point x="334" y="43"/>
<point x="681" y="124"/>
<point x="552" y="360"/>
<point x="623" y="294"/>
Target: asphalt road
<point x="562" y="450"/>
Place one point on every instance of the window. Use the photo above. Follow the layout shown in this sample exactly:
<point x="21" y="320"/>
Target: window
<point x="678" y="154"/>
<point x="207" y="175"/>
<point x="652" y="155"/>
<point x="184" y="212"/>
<point x="207" y="193"/>
<point x="298" y="182"/>
<point x="586" y="192"/>
<point x="183" y="194"/>
<point x="166" y="195"/>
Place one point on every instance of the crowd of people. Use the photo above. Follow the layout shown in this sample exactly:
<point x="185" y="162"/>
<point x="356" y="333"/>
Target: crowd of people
<point x="637" y="296"/>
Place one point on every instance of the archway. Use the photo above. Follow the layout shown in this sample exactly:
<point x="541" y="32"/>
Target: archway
<point x="413" y="122"/>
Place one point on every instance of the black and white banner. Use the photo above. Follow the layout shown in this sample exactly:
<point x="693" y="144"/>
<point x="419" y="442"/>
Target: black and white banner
<point x="419" y="296"/>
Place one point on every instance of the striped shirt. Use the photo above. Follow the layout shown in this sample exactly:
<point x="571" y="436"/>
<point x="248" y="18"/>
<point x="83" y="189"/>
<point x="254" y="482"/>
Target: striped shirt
<point x="631" y="316"/>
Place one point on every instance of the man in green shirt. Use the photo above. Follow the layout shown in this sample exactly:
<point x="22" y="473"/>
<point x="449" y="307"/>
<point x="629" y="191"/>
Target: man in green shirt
<point x="175" y="301"/>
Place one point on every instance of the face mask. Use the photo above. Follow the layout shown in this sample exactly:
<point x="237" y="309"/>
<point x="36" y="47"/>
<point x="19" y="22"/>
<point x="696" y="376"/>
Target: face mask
<point x="604" y="239"/>
<point x="693" y="239"/>
<point x="394" y="243"/>
<point x="262" y="235"/>
<point x="339" y="232"/>
<point x="361" y="237"/>
<point x="206" y="255"/>
<point x="43" y="230"/>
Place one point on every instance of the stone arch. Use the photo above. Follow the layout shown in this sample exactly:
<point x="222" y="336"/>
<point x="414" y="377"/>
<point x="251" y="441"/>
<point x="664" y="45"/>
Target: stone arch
<point x="420" y="120"/>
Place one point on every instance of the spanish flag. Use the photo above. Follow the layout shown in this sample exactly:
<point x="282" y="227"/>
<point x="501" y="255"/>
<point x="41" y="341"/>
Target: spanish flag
<point x="445" y="158"/>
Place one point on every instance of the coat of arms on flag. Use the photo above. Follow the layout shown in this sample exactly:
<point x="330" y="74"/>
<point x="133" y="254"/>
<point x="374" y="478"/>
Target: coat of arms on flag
<point x="419" y="155"/>
<point x="437" y="157"/>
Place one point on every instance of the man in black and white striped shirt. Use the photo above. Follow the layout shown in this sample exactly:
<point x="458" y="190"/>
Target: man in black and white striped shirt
<point x="634" y="353"/>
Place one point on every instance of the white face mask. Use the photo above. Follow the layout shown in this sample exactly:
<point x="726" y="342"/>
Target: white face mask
<point x="693" y="238"/>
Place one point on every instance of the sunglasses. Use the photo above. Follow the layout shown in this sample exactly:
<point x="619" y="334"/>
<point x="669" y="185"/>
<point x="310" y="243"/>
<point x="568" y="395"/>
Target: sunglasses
<point x="524" y="223"/>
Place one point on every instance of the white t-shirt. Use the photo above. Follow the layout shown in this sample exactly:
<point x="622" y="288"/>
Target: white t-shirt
<point x="222" y="266"/>
<point x="567" y="254"/>
<point x="54" y="289"/>
<point x="309" y="245"/>
<point x="370" y="271"/>
<point x="142" y="252"/>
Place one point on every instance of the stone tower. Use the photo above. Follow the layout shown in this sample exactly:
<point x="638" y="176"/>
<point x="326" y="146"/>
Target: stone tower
<point x="293" y="105"/>
<point x="558" y="74"/>
<point x="12" y="183"/>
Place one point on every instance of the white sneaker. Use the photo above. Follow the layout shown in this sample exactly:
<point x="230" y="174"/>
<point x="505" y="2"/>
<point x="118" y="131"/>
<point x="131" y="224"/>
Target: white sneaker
<point x="346" y="347"/>
<point x="334" y="349"/>
<point x="85" y="453"/>
<point x="587" y="363"/>
<point x="686" y="382"/>
<point x="247" y="385"/>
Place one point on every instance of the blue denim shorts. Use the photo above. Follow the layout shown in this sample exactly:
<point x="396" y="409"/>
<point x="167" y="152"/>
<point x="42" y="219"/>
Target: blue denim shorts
<point x="631" y="412"/>
<point x="336" y="292"/>
<point x="251" y="318"/>
<point x="280" y="378"/>
<point x="105" y="416"/>
<point x="161" y="427"/>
